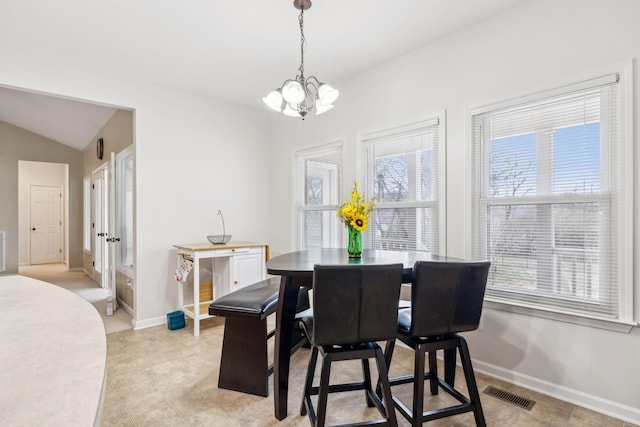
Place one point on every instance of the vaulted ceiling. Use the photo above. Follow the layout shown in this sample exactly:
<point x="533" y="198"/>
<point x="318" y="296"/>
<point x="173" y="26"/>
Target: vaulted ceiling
<point x="233" y="50"/>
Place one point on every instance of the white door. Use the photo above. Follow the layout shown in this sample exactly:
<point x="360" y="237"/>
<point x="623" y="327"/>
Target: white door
<point x="100" y="223"/>
<point x="109" y="272"/>
<point x="46" y="224"/>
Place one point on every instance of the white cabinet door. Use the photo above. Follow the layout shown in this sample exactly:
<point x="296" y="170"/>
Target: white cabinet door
<point x="247" y="268"/>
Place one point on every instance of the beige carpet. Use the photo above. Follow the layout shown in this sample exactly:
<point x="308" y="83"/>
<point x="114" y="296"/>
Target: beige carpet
<point x="82" y="285"/>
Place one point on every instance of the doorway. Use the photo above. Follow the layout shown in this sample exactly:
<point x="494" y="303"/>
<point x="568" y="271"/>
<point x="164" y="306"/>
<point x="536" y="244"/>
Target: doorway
<point x="43" y="212"/>
<point x="46" y="224"/>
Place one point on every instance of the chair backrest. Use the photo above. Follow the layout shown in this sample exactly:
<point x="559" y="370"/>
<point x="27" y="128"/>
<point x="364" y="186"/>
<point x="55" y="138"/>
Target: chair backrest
<point x="446" y="297"/>
<point x="355" y="303"/>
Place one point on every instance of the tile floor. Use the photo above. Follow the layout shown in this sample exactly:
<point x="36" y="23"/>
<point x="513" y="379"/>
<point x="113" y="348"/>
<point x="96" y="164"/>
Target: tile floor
<point x="157" y="377"/>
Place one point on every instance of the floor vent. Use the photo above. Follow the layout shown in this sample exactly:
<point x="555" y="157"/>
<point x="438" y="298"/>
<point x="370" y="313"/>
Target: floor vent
<point x="514" y="399"/>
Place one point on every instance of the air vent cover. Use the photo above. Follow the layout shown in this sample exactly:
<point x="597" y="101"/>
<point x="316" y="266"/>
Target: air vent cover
<point x="506" y="396"/>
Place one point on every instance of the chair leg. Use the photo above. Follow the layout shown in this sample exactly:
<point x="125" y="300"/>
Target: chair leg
<point x="433" y="372"/>
<point x="450" y="366"/>
<point x="366" y="374"/>
<point x="383" y="383"/>
<point x="306" y="395"/>
<point x="472" y="386"/>
<point x="388" y="354"/>
<point x="323" y="392"/>
<point x="418" y="385"/>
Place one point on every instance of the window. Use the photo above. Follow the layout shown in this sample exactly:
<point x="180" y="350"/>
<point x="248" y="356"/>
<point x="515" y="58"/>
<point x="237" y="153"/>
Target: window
<point x="403" y="167"/>
<point x="319" y="175"/>
<point x="550" y="200"/>
<point x="86" y="214"/>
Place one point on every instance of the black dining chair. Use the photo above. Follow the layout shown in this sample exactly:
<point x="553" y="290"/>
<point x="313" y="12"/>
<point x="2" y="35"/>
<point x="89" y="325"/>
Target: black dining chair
<point x="353" y="307"/>
<point x="446" y="299"/>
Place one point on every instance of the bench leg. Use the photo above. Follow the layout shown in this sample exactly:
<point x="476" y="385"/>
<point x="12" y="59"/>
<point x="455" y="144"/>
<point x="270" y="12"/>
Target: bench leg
<point x="244" y="365"/>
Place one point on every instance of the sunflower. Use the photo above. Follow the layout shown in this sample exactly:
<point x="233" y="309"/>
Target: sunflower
<point x="359" y="222"/>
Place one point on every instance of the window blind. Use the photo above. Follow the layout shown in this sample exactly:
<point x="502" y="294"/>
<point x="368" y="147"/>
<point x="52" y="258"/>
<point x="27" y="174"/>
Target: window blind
<point x="320" y="191"/>
<point x="403" y="175"/>
<point x="546" y="209"/>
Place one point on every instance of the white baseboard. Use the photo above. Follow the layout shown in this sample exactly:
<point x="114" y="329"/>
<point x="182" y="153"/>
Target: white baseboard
<point x="147" y="323"/>
<point x="594" y="403"/>
<point x="126" y="308"/>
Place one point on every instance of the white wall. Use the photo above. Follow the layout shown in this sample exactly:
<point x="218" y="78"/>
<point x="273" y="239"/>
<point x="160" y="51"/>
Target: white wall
<point x="538" y="44"/>
<point x="191" y="160"/>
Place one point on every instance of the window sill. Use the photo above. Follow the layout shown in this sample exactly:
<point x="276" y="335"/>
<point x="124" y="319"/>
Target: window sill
<point x="610" y="325"/>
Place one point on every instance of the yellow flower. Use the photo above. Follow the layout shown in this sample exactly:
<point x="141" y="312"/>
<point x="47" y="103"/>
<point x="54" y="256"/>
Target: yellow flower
<point x="355" y="213"/>
<point x="359" y="222"/>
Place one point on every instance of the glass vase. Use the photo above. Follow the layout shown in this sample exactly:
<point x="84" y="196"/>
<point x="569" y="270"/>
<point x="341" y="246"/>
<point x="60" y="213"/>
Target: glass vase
<point x="354" y="247"/>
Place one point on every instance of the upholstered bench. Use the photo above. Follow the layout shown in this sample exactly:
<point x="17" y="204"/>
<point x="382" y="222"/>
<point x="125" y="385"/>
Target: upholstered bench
<point x="244" y="366"/>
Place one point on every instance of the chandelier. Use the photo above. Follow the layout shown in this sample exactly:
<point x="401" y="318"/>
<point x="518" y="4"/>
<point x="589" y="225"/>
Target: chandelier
<point x="297" y="97"/>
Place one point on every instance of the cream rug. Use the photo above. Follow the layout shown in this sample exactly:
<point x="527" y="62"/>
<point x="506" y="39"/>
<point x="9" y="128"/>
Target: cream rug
<point x="82" y="285"/>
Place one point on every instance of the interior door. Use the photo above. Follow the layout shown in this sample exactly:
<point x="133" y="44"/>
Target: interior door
<point x="46" y="224"/>
<point x="100" y="221"/>
<point x="111" y="240"/>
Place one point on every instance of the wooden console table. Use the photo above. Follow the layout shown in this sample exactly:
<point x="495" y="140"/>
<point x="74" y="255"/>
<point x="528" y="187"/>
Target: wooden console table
<point x="234" y="265"/>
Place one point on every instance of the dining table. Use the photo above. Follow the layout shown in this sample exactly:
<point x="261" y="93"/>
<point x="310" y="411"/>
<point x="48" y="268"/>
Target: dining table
<point x="296" y="271"/>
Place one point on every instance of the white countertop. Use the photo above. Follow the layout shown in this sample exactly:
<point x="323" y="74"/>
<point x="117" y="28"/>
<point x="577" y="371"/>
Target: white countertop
<point x="53" y="353"/>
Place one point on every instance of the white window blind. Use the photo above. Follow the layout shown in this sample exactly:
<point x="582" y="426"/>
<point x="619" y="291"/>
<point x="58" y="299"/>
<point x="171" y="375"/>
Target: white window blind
<point x="403" y="174"/>
<point x="319" y="179"/>
<point x="547" y="200"/>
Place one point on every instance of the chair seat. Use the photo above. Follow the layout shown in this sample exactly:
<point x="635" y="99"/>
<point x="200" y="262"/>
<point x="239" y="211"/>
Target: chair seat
<point x="258" y="300"/>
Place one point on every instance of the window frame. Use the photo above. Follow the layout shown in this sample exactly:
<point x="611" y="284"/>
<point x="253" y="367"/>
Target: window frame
<point x="626" y="317"/>
<point x="298" y="188"/>
<point x="366" y="138"/>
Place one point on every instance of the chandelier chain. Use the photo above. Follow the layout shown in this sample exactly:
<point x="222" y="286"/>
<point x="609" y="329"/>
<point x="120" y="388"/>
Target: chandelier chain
<point x="302" y="42"/>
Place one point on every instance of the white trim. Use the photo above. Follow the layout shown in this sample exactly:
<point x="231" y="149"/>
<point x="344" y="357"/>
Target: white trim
<point x="610" y="325"/>
<point x="585" y="80"/>
<point x="148" y="323"/>
<point x="558" y="391"/>
<point x="127" y="308"/>
<point x="626" y="223"/>
<point x="400" y="128"/>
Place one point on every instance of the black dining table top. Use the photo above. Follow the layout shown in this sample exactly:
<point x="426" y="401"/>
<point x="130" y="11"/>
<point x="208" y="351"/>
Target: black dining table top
<point x="301" y="263"/>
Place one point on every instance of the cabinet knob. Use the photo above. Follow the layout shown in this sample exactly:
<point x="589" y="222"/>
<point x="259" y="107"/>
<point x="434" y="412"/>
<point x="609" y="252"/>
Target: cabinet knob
<point x="233" y="250"/>
<point x="235" y="282"/>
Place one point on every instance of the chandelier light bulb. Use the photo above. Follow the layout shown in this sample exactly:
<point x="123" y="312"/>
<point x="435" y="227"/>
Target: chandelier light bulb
<point x="288" y="111"/>
<point x="321" y="108"/>
<point x="292" y="92"/>
<point x="327" y="94"/>
<point x="274" y="100"/>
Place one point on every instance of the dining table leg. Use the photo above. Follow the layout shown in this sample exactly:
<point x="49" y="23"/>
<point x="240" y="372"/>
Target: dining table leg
<point x="285" y="315"/>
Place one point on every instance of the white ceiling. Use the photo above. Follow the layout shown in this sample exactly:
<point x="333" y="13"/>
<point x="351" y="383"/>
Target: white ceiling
<point x="234" y="50"/>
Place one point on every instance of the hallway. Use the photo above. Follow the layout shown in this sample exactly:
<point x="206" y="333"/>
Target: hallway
<point x="81" y="284"/>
